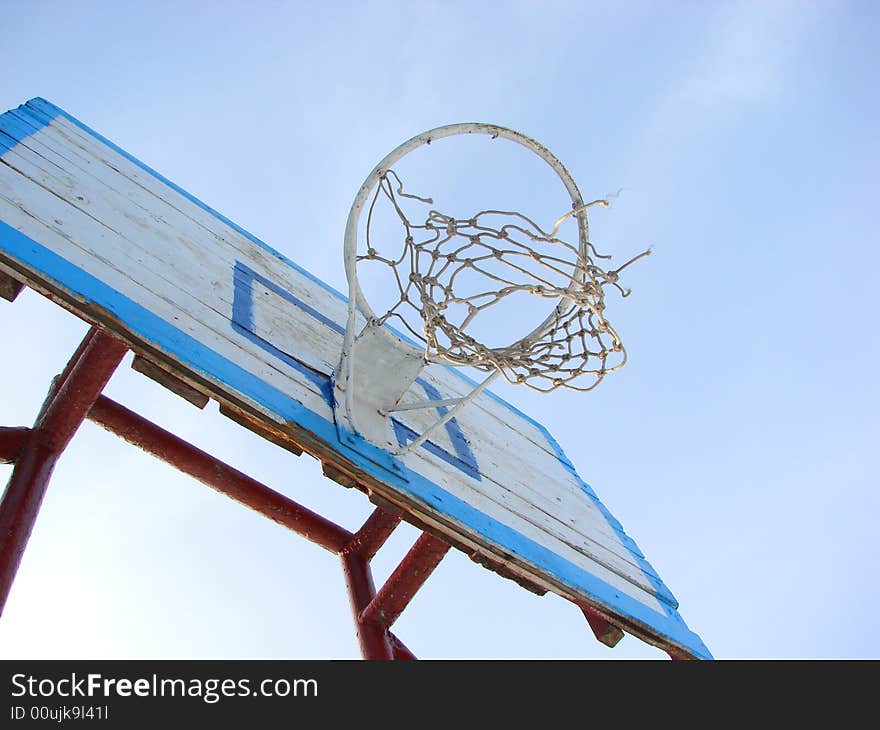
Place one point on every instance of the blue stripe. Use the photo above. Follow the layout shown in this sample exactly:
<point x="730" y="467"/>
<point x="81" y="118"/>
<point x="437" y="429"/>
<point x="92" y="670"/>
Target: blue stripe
<point x="453" y="430"/>
<point x="204" y="361"/>
<point x="243" y="323"/>
<point x="246" y="276"/>
<point x="639" y="557"/>
<point x="630" y="544"/>
<point x="19" y="124"/>
<point x="405" y="435"/>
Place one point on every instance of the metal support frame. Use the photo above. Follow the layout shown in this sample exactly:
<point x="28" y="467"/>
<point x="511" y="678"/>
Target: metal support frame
<point x="75" y="395"/>
<point x="66" y="406"/>
<point x="401" y="586"/>
<point x="219" y="476"/>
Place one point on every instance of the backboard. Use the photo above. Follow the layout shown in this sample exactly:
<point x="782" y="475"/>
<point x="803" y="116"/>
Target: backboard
<point x="200" y="298"/>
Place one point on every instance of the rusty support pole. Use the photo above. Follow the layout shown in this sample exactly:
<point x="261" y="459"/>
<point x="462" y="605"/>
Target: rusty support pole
<point x="66" y="405"/>
<point x="221" y="477"/>
<point x="19" y="508"/>
<point x="12" y="443"/>
<point x="373" y="639"/>
<point x="606" y="632"/>
<point x="405" y="581"/>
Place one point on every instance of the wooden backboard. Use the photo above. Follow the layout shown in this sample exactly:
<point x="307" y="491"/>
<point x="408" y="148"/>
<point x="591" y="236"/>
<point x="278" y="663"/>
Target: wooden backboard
<point x="196" y="295"/>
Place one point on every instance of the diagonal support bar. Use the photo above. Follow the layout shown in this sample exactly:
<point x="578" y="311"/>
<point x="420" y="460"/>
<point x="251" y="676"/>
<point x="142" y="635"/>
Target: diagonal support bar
<point x="405" y="581"/>
<point x="12" y="443"/>
<point x="374" y="640"/>
<point x="19" y="508"/>
<point x="221" y="477"/>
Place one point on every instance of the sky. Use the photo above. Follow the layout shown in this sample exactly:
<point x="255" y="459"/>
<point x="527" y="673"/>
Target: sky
<point x="738" y="446"/>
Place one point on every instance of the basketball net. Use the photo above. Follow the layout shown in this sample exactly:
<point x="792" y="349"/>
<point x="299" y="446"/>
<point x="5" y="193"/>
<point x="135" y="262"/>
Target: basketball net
<point x="510" y="254"/>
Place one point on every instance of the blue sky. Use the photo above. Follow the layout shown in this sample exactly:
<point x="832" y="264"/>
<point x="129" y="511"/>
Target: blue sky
<point x="739" y="444"/>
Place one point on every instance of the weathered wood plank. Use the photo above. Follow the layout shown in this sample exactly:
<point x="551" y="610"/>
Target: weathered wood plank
<point x="9" y="288"/>
<point x="171" y="382"/>
<point x="331" y="471"/>
<point x="273" y="435"/>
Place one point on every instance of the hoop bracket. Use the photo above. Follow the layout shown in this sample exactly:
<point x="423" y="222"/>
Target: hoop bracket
<point x="373" y="373"/>
<point x="377" y="367"/>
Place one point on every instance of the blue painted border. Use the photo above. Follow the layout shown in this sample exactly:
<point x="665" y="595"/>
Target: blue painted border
<point x="464" y="463"/>
<point x="460" y="444"/>
<point x="243" y="323"/>
<point x="26" y="120"/>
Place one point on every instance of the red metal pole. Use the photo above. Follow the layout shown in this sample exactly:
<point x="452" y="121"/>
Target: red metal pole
<point x="19" y="508"/>
<point x="373" y="533"/>
<point x="187" y="458"/>
<point x="355" y="549"/>
<point x="405" y="581"/>
<point x="373" y="639"/>
<point x="12" y="443"/>
<point x="68" y="401"/>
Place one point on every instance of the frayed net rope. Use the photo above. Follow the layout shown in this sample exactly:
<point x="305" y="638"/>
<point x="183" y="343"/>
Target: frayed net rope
<point x="575" y="340"/>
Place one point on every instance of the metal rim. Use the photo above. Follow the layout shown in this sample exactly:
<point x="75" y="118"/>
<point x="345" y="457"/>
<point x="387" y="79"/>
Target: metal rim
<point x="494" y="131"/>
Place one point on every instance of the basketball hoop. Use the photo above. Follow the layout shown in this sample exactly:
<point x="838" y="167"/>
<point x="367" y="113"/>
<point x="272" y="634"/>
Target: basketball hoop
<point x="513" y="255"/>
